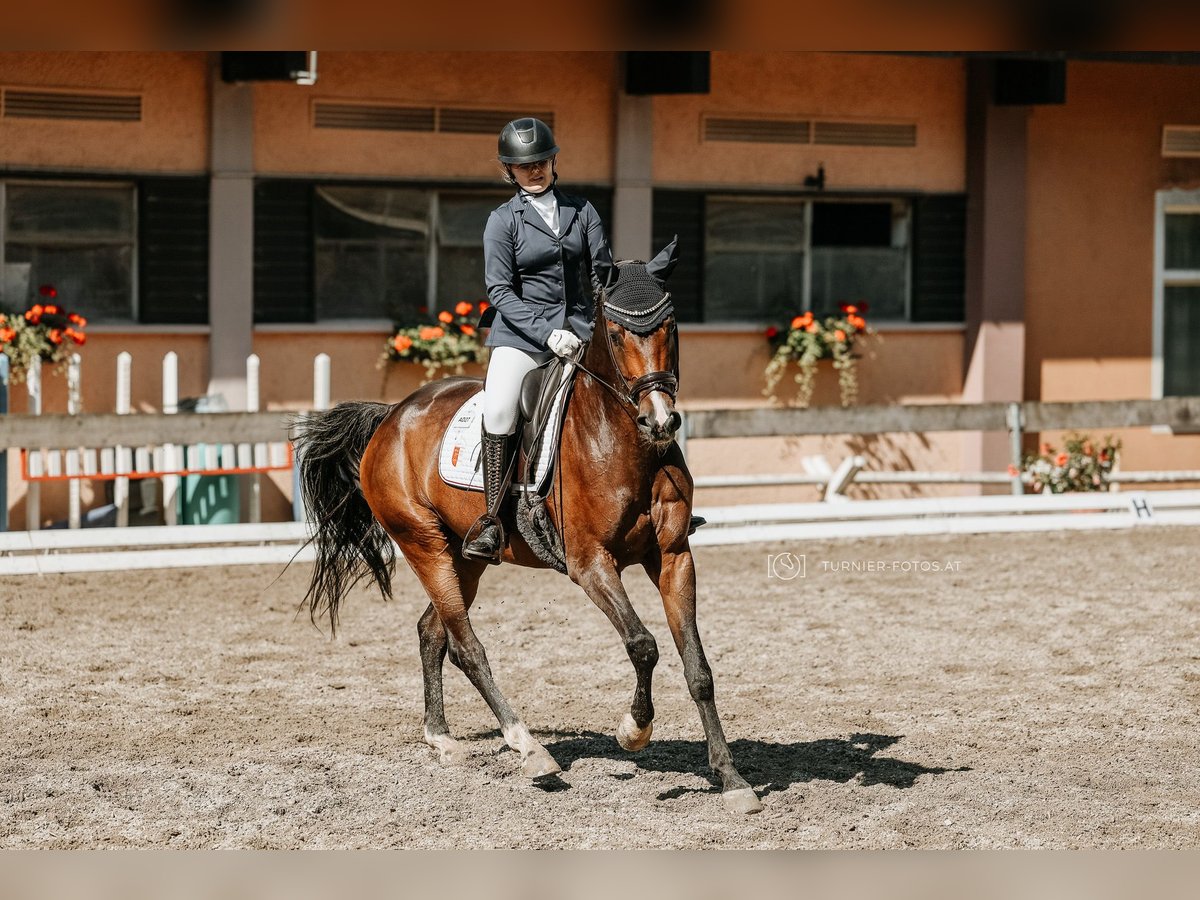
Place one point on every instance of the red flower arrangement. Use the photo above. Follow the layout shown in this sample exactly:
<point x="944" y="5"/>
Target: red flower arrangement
<point x="809" y="340"/>
<point x="47" y="330"/>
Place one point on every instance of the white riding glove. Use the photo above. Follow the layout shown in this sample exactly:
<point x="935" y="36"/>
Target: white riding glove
<point x="563" y="343"/>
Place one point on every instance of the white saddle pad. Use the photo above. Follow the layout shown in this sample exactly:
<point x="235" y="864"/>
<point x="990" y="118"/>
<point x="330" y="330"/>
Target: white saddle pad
<point x="459" y="462"/>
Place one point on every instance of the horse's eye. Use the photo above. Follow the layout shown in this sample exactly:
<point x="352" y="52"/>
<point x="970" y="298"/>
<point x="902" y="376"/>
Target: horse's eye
<point x="615" y="337"/>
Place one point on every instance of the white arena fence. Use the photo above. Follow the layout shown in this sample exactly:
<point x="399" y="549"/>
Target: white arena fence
<point x="122" y="447"/>
<point x="121" y="549"/>
<point x="180" y="545"/>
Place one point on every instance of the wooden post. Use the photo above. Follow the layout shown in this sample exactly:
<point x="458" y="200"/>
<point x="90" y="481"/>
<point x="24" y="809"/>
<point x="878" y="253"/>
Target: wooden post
<point x="3" y="450"/>
<point x="171" y="455"/>
<point x="258" y="451"/>
<point x="123" y="455"/>
<point x="33" y="492"/>
<point x="74" y="408"/>
<point x="1013" y="419"/>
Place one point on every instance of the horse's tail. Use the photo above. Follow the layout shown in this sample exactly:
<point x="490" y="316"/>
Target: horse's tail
<point x="351" y="545"/>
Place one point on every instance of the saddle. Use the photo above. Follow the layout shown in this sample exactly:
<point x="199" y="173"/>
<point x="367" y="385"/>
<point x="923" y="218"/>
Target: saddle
<point x="539" y="391"/>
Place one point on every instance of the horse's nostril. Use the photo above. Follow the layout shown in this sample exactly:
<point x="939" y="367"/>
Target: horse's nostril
<point x="674" y="422"/>
<point x="643" y="423"/>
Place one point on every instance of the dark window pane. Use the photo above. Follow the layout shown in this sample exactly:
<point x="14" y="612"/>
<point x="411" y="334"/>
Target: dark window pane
<point x="754" y="259"/>
<point x="749" y="287"/>
<point x="92" y="281"/>
<point x="461" y="220"/>
<point x="372" y="247"/>
<point x="852" y="225"/>
<point x="1181" y="347"/>
<point x="1183" y="241"/>
<point x="876" y="275"/>
<point x="78" y="238"/>
<point x="65" y="212"/>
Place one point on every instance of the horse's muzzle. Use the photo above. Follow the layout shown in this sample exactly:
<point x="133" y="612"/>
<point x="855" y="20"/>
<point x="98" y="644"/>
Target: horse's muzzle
<point x="659" y="429"/>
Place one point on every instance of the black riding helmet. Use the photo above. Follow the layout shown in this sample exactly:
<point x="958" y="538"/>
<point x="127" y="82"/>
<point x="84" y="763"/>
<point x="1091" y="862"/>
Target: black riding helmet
<point x="526" y="141"/>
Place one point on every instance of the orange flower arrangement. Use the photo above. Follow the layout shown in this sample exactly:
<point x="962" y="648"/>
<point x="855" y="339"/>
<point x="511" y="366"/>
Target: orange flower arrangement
<point x="46" y="330"/>
<point x="450" y="344"/>
<point x="809" y="340"/>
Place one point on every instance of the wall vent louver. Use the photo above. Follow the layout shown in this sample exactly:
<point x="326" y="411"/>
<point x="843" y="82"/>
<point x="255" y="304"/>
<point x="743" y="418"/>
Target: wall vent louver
<point x="483" y="121"/>
<point x="762" y="131"/>
<point x="372" y="117"/>
<point x="1181" y="140"/>
<point x="21" y="103"/>
<point x="808" y="131"/>
<point x="387" y="117"/>
<point x="865" y="134"/>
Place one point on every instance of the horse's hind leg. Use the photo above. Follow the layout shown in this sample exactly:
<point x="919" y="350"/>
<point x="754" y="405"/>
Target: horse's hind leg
<point x="675" y="576"/>
<point x="433" y="654"/>
<point x="452" y="590"/>
<point x="602" y="583"/>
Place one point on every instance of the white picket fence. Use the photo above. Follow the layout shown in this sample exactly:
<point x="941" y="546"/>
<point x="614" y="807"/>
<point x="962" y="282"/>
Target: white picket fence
<point x="168" y="462"/>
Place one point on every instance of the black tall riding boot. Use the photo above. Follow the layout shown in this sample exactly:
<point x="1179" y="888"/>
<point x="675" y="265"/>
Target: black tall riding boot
<point x="489" y="540"/>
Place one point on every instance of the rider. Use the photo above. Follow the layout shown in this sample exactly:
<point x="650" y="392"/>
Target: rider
<point x="539" y="249"/>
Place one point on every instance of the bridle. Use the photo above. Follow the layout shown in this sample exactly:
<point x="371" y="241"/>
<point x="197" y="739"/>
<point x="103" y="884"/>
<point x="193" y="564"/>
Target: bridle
<point x="667" y="382"/>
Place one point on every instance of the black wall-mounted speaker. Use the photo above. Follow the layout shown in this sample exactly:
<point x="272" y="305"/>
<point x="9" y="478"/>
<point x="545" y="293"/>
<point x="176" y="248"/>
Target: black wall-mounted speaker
<point x="262" y="65"/>
<point x="667" y="72"/>
<point x="1026" y="82"/>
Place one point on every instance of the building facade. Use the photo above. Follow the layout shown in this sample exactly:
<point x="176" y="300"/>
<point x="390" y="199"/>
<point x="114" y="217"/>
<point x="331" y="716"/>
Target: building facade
<point x="1008" y="250"/>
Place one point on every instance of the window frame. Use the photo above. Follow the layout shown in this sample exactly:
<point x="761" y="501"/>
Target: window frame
<point x="809" y="200"/>
<point x="1168" y="201"/>
<point x="134" y="239"/>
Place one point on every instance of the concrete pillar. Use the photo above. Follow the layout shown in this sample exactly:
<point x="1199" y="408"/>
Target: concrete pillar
<point x="995" y="290"/>
<point x="231" y="238"/>
<point x="630" y="228"/>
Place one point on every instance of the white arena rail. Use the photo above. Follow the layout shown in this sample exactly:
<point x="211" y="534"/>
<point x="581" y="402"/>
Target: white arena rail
<point x="113" y="549"/>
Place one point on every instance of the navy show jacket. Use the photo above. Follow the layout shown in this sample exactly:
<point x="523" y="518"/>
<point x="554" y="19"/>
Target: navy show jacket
<point x="537" y="280"/>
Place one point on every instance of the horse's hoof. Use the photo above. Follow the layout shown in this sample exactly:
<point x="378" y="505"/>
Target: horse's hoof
<point x="743" y="800"/>
<point x="452" y="756"/>
<point x="630" y="736"/>
<point x="539" y="765"/>
<point x="449" y="751"/>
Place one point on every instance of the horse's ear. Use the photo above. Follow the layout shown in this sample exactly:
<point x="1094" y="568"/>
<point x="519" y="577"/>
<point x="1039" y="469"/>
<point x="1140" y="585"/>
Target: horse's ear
<point x="661" y="266"/>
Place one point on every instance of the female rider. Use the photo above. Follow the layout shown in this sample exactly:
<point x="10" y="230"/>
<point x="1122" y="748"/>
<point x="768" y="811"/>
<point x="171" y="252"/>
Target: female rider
<point x="539" y="250"/>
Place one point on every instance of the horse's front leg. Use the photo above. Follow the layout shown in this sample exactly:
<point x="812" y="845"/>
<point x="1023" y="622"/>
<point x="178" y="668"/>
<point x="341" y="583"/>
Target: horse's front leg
<point x="675" y="576"/>
<point x="602" y="583"/>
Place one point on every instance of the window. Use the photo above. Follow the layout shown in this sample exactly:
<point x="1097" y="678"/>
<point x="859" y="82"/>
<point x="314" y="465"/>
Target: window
<point x="754" y="259"/>
<point x="1177" y="295"/>
<point x="766" y="258"/>
<point x="461" y="220"/>
<point x="860" y="253"/>
<point x="371" y="251"/>
<point x="387" y="252"/>
<point x="78" y="237"/>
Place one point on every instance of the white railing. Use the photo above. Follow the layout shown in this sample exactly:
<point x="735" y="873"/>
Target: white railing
<point x="123" y="447"/>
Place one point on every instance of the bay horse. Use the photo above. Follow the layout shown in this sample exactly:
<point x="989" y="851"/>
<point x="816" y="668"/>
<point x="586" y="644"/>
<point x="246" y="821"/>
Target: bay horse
<point x="622" y="497"/>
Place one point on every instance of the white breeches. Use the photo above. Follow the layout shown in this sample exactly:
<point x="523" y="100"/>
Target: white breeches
<point x="507" y="368"/>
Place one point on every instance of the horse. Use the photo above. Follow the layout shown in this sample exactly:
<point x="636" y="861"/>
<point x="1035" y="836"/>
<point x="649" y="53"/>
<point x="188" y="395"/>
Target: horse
<point x="621" y="496"/>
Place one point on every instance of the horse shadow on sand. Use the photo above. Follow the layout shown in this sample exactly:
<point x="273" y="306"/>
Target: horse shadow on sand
<point x="768" y="767"/>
